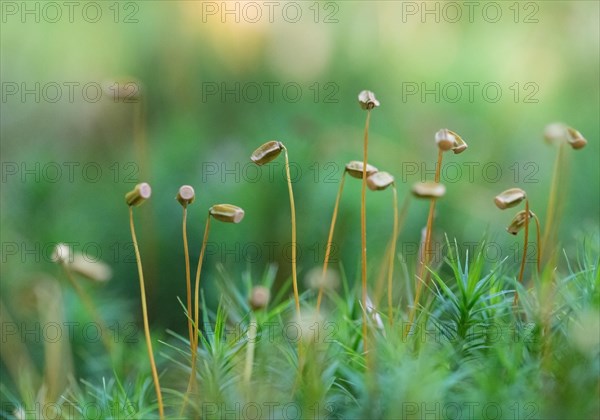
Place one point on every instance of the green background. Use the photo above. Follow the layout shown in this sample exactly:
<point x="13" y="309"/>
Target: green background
<point x="177" y="52"/>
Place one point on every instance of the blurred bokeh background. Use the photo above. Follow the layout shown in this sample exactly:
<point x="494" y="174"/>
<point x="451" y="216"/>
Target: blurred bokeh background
<point x="217" y="79"/>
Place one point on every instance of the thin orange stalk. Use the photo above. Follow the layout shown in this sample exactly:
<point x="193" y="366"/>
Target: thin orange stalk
<point x="293" y="213"/>
<point x="192" y="382"/>
<point x="145" y="316"/>
<point x="294" y="253"/>
<point x="188" y="278"/>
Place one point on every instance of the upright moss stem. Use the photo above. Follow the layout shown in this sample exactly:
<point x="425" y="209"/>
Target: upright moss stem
<point x="363" y="231"/>
<point x="197" y="293"/>
<point x="294" y="254"/>
<point x="261" y="156"/>
<point x="390" y="289"/>
<point x="192" y="382"/>
<point x="425" y="258"/>
<point x="145" y="316"/>
<point x="227" y="213"/>
<point x="294" y="243"/>
<point x="330" y="241"/>
<point x="188" y="282"/>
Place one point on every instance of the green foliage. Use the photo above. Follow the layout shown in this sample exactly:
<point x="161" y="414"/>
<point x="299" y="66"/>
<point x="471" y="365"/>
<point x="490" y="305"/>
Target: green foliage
<point x="471" y="353"/>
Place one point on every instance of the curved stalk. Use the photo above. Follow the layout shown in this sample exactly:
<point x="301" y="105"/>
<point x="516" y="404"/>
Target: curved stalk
<point x="197" y="286"/>
<point x="188" y="278"/>
<point x="294" y="253"/>
<point x="192" y="382"/>
<point x="293" y="215"/>
<point x="145" y="316"/>
<point x="330" y="240"/>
